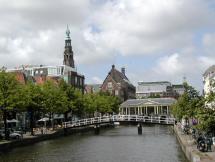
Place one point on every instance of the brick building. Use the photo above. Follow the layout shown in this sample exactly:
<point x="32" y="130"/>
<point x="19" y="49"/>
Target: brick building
<point x="118" y="84"/>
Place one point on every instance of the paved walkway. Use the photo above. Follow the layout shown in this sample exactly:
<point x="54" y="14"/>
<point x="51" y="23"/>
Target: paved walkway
<point x="191" y="148"/>
<point x="27" y="135"/>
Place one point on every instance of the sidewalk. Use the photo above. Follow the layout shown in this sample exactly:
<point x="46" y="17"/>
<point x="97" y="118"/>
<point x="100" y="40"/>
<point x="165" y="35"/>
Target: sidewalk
<point x="29" y="139"/>
<point x="190" y="148"/>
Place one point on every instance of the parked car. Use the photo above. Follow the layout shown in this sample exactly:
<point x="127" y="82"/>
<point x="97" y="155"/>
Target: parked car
<point x="12" y="135"/>
<point x="15" y="135"/>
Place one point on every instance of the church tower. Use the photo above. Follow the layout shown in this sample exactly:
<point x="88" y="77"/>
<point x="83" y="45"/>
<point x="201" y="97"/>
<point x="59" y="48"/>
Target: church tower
<point x="68" y="53"/>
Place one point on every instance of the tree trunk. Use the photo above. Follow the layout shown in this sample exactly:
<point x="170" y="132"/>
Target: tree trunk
<point x="66" y="116"/>
<point x="5" y="125"/>
<point x="52" y="115"/>
<point x="32" y="121"/>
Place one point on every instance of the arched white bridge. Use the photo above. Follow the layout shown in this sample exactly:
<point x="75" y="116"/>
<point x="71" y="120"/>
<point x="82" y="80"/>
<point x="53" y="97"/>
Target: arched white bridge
<point x="120" y="118"/>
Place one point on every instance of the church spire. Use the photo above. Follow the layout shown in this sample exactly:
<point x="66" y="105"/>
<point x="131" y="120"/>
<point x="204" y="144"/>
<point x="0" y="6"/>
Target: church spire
<point x="67" y="33"/>
<point x="68" y="53"/>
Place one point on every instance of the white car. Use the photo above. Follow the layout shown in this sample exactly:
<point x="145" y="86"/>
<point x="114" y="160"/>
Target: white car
<point x="14" y="135"/>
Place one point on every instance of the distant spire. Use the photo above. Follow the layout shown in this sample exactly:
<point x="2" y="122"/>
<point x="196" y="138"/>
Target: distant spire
<point x="67" y="32"/>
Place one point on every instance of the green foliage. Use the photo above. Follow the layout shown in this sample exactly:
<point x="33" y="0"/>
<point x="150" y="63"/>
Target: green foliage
<point x="206" y="114"/>
<point x="54" y="99"/>
<point x="187" y="104"/>
<point x="9" y="91"/>
<point x="89" y="104"/>
<point x="32" y="96"/>
<point x="206" y="117"/>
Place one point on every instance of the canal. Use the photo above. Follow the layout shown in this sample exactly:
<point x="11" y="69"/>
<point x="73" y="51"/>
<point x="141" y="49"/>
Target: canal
<point x="120" y="144"/>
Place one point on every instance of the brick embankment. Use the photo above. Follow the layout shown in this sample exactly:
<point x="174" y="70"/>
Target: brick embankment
<point x="190" y="149"/>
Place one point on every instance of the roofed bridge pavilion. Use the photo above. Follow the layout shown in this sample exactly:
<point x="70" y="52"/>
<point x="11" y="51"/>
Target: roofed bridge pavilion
<point x="147" y="107"/>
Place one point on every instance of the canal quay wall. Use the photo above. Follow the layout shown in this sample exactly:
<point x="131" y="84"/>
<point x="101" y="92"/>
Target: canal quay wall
<point x="189" y="148"/>
<point x="29" y="140"/>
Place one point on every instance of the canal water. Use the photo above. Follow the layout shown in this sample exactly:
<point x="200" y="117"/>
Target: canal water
<point x="120" y="144"/>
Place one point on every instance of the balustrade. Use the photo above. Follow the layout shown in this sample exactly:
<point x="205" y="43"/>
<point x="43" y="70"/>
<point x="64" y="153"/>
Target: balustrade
<point x="105" y="119"/>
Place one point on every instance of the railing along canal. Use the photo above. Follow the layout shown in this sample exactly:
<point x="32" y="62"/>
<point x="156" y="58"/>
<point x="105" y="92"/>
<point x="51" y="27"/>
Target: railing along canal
<point x="119" y="118"/>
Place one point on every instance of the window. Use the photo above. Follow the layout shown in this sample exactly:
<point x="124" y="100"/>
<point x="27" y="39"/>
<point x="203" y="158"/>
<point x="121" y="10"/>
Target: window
<point x="110" y="85"/>
<point x="116" y="92"/>
<point x="81" y="81"/>
<point x="76" y="80"/>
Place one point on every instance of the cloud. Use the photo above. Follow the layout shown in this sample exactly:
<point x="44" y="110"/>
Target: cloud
<point x="97" y="80"/>
<point x="149" y="26"/>
<point x="169" y="65"/>
<point x="32" y="32"/>
<point x="102" y="30"/>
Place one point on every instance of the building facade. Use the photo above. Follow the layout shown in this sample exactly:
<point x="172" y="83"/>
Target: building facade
<point x="208" y="80"/>
<point x="118" y="84"/>
<point x="147" y="107"/>
<point x="209" y="84"/>
<point x="158" y="89"/>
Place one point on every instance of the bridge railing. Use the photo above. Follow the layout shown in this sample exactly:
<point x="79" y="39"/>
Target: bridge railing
<point x="117" y="118"/>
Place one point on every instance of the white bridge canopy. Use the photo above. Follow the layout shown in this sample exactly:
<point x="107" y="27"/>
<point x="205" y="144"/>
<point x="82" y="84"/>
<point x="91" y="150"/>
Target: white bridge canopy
<point x="147" y="106"/>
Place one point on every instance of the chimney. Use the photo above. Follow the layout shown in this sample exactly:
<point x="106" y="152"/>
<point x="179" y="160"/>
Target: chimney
<point x="123" y="70"/>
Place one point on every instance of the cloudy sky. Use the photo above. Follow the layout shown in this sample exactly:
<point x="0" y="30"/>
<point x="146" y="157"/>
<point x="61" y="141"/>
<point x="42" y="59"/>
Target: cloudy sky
<point x="153" y="39"/>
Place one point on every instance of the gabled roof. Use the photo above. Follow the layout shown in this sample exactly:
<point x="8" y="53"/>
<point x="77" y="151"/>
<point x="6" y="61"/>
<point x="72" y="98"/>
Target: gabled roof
<point x="148" y="101"/>
<point x="118" y="76"/>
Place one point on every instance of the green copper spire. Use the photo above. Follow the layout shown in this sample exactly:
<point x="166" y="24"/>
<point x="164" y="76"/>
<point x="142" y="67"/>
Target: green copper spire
<point x="67" y="32"/>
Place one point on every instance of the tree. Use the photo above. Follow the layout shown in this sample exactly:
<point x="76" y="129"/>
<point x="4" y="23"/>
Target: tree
<point x="187" y="103"/>
<point x="71" y="97"/>
<point x="9" y="95"/>
<point x="78" y="103"/>
<point x="54" y="101"/>
<point x="90" y="104"/>
<point x="33" y="100"/>
<point x="206" y="114"/>
<point x="114" y="102"/>
<point x="106" y="103"/>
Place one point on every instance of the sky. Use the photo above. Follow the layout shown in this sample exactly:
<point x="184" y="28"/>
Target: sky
<point x="155" y="40"/>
